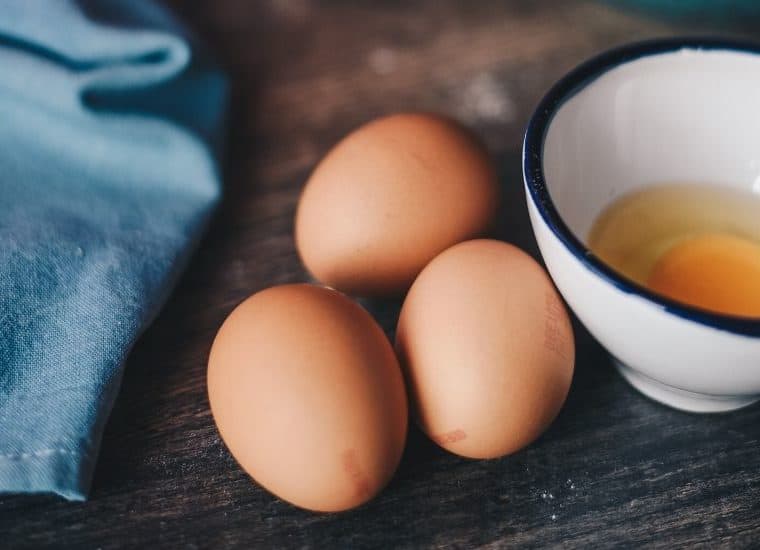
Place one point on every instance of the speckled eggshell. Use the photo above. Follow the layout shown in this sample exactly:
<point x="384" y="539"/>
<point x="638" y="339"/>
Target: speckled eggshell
<point x="487" y="349"/>
<point x="308" y="396"/>
<point x="389" y="197"/>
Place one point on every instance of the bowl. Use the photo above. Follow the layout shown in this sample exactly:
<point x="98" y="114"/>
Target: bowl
<point x="672" y="110"/>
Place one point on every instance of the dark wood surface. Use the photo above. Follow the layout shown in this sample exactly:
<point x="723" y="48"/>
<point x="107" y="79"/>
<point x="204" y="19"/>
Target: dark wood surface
<point x="615" y="469"/>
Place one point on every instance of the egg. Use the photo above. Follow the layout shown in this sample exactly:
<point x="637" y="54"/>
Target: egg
<point x="391" y="196"/>
<point x="715" y="271"/>
<point x="308" y="396"/>
<point x="487" y="348"/>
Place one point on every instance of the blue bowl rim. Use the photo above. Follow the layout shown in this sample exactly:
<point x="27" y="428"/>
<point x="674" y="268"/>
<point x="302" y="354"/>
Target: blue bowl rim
<point x="563" y="90"/>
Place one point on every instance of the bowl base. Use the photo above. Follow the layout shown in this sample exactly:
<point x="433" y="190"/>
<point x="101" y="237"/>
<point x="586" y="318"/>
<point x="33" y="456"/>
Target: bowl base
<point x="682" y="399"/>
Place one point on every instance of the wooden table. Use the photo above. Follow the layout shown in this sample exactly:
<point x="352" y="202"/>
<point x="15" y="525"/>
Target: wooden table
<point x="614" y="469"/>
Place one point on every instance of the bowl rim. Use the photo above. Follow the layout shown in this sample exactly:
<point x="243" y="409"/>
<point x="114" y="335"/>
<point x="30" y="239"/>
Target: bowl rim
<point x="533" y="174"/>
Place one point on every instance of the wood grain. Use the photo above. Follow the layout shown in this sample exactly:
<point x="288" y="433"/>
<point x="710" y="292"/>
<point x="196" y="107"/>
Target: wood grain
<point x="615" y="469"/>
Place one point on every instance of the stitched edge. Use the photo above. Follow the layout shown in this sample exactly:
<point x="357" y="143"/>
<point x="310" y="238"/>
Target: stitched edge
<point x="38" y="453"/>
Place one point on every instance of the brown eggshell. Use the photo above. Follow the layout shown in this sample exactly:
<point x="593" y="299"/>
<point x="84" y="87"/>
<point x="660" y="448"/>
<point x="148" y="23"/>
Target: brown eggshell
<point x="389" y="197"/>
<point x="308" y="396"/>
<point x="487" y="348"/>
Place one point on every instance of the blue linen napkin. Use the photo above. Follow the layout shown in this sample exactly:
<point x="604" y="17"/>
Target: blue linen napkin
<point x="712" y="11"/>
<point x="110" y="119"/>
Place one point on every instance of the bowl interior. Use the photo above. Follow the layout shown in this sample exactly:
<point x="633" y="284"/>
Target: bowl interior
<point x="684" y="116"/>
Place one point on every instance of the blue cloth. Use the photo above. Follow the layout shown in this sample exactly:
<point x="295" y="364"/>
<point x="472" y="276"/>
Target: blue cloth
<point x="110" y="118"/>
<point x="712" y="11"/>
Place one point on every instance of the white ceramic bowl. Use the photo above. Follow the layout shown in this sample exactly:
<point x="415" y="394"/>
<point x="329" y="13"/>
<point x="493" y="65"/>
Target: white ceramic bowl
<point x="683" y="110"/>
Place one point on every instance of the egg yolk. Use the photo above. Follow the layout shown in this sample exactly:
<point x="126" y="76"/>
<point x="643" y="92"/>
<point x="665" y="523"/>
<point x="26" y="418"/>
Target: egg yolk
<point x="719" y="272"/>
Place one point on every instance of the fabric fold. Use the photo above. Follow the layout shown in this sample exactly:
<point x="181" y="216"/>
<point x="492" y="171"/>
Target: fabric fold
<point x="111" y="119"/>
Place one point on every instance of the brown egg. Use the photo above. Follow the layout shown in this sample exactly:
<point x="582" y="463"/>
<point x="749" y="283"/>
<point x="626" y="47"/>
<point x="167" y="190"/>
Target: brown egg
<point x="308" y="396"/>
<point x="487" y="348"/>
<point x="391" y="196"/>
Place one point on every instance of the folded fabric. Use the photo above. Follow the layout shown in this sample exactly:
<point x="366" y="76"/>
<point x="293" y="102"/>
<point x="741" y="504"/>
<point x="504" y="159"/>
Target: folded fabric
<point x="110" y="120"/>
